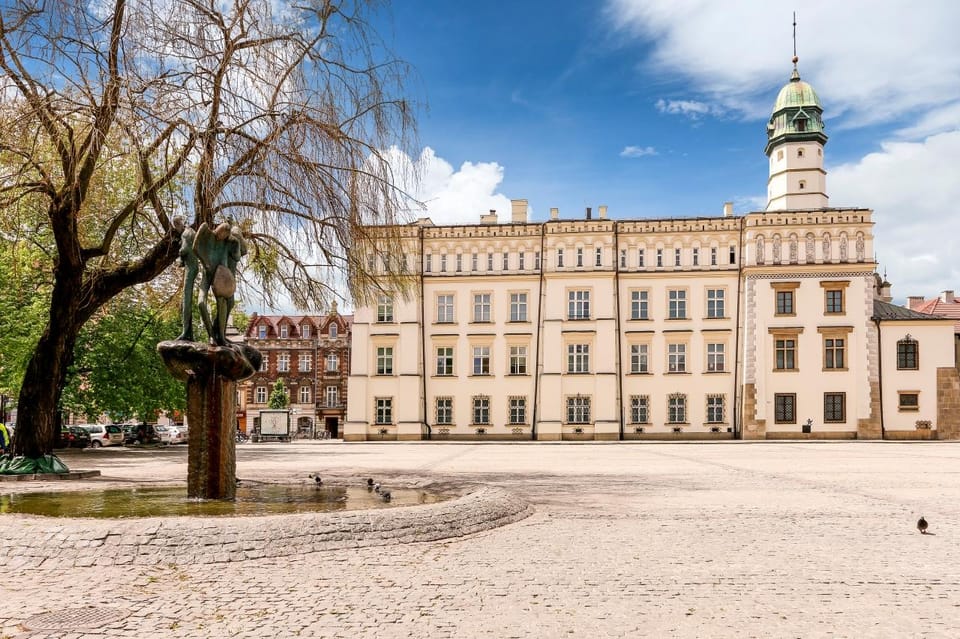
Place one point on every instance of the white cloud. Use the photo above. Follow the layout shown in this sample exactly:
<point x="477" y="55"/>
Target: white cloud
<point x="692" y="109"/>
<point x="875" y="59"/>
<point x="914" y="192"/>
<point x="637" y="151"/>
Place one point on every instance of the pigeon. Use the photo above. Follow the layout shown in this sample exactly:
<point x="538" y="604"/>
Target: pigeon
<point x="316" y="478"/>
<point x="922" y="525"/>
<point x="376" y="488"/>
<point x="369" y="482"/>
<point x="385" y="495"/>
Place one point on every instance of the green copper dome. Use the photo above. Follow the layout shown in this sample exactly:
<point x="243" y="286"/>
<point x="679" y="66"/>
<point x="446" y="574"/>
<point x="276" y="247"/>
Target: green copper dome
<point x="796" y="93"/>
<point x="797" y="115"/>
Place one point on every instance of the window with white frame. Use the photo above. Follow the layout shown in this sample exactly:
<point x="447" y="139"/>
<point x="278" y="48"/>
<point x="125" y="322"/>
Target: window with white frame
<point x="445" y="309"/>
<point x="304" y="394"/>
<point x="676" y="257"/>
<point x="713" y="256"/>
<point x="578" y="410"/>
<point x="384" y="308"/>
<point x="676" y="358"/>
<point x="522" y="260"/>
<point x="518" y="307"/>
<point x="305" y="331"/>
<point x="284" y="331"/>
<point x="265" y="363"/>
<point x="384" y="410"/>
<point x="444" y="360"/>
<point x="332" y="332"/>
<point x="505" y="258"/>
<point x="715" y="409"/>
<point x="518" y="360"/>
<point x="481" y="409"/>
<point x="489" y="261"/>
<point x="715" y="301"/>
<point x="427" y="263"/>
<point x="443" y="262"/>
<point x="578" y="305"/>
<point x="677" y="408"/>
<point x="475" y="262"/>
<point x="459" y="262"/>
<point x="578" y="358"/>
<point x="262" y="331"/>
<point x="640" y="409"/>
<point x="333" y="396"/>
<point x="305" y="362"/>
<point x="333" y="363"/>
<point x="384" y="360"/>
<point x="716" y="361"/>
<point x="481" y="360"/>
<point x="639" y="305"/>
<point x="444" y="410"/>
<point x="677" y="304"/>
<point x="283" y="363"/>
<point x="640" y="258"/>
<point x="518" y="410"/>
<point x="598" y="260"/>
<point x="579" y="256"/>
<point x="481" y="307"/>
<point x="639" y="358"/>
<point x="260" y="397"/>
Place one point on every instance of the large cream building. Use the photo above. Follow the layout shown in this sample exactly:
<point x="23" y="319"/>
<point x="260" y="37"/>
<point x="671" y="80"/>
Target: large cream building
<point x="772" y="324"/>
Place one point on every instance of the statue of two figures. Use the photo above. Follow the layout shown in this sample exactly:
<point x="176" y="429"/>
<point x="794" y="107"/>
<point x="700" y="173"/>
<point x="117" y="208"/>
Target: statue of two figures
<point x="218" y="251"/>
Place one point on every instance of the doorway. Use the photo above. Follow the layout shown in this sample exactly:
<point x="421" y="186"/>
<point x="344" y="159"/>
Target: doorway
<point x="333" y="427"/>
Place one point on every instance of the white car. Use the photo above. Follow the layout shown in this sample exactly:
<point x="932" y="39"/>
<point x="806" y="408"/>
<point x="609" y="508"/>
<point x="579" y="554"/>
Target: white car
<point x="100" y="435"/>
<point x="171" y="435"/>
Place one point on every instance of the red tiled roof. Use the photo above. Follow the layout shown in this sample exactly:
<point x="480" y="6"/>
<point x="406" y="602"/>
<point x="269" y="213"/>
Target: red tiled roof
<point x="274" y="320"/>
<point x="937" y="306"/>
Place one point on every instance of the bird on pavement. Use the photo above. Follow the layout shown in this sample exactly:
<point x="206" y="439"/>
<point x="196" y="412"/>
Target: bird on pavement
<point x="922" y="525"/>
<point x="385" y="495"/>
<point x="369" y="483"/>
<point x="376" y="488"/>
<point x="316" y="478"/>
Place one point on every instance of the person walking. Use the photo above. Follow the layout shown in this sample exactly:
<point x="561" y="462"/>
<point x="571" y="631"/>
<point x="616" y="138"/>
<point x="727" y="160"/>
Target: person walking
<point x="4" y="439"/>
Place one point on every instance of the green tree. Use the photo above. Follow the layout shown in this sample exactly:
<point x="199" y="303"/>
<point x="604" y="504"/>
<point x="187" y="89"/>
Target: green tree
<point x="119" y="115"/>
<point x="279" y="397"/>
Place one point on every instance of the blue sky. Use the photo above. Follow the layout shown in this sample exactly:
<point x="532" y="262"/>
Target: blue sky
<point x="657" y="108"/>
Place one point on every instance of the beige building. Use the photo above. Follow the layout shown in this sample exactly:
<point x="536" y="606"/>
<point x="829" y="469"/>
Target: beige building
<point x="767" y="325"/>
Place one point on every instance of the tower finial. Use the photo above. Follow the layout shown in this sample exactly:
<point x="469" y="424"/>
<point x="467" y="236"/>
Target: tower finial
<point x="796" y="74"/>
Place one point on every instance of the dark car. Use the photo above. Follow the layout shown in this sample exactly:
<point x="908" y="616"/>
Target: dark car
<point x="137" y="434"/>
<point x="73" y="437"/>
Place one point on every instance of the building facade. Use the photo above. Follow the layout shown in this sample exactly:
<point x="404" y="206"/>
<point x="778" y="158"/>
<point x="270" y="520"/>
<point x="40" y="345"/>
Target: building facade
<point x="771" y="324"/>
<point x="311" y="354"/>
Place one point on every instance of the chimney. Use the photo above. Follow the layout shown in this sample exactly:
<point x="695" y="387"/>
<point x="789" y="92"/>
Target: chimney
<point x="589" y="213"/>
<point x="914" y="301"/>
<point x="554" y="214"/>
<point x="603" y="212"/>
<point x="489" y="218"/>
<point x="885" y="295"/>
<point x="518" y="211"/>
<point x="728" y="209"/>
<point x="946" y="297"/>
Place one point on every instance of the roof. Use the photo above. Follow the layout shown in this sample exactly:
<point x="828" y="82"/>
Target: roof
<point x="796" y="93"/>
<point x="938" y="306"/>
<point x="316" y="320"/>
<point x="887" y="311"/>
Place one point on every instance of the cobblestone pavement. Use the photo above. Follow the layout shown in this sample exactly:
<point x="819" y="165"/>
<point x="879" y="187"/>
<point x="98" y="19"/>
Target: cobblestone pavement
<point x="626" y="540"/>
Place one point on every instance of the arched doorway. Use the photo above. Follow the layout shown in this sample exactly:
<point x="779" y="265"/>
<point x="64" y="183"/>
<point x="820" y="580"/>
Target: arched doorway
<point x="305" y="427"/>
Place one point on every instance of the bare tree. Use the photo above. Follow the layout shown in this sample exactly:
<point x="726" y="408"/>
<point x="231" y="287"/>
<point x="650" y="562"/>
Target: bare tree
<point x="279" y="117"/>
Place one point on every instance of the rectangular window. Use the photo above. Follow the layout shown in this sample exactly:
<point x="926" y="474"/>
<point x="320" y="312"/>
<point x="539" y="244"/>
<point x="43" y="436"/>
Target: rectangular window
<point x="262" y="331"/>
<point x="304" y="394"/>
<point x="578" y="410"/>
<point x="785" y="303"/>
<point x="518" y="410"/>
<point x="696" y="257"/>
<point x="639" y="305"/>
<point x="640" y="258"/>
<point x="677" y="304"/>
<point x="384" y="410"/>
<point x="445" y="309"/>
<point x="713" y="256"/>
<point x="834" y="407"/>
<point x="559" y="257"/>
<point x="333" y="363"/>
<point x="265" y="363"/>
<point x="785" y="354"/>
<point x="536" y="260"/>
<point x="481" y="410"/>
<point x="283" y="363"/>
<point x="715" y="300"/>
<point x="833" y="353"/>
<point x="909" y="401"/>
<point x="579" y="256"/>
<point x="305" y="331"/>
<point x="444" y="410"/>
<point x="639" y="409"/>
<point x="677" y="409"/>
<point x="332" y="331"/>
<point x="714" y="409"/>
<point x="481" y="307"/>
<point x="676" y="358"/>
<point x="459" y="262"/>
<point x="518" y="360"/>
<point x="833" y="301"/>
<point x="305" y="362"/>
<point x="384" y="360"/>
<point x="598" y="261"/>
<point x="518" y="307"/>
<point x="785" y="408"/>
<point x="427" y="263"/>
<point x="261" y="395"/>
<point x="474" y="262"/>
<point x="639" y="358"/>
<point x="659" y="258"/>
<point x="733" y="254"/>
<point x="284" y="331"/>
<point x="623" y="258"/>
<point x="489" y="261"/>
<point x="481" y="360"/>
<point x="715" y="358"/>
<point x="333" y="396"/>
<point x="443" y="262"/>
<point x="578" y="358"/>
<point x="907" y="354"/>
<point x="522" y="260"/>
<point x="445" y="360"/>
<point x="384" y="308"/>
<point x="578" y="305"/>
<point x="676" y="257"/>
<point x="506" y="262"/>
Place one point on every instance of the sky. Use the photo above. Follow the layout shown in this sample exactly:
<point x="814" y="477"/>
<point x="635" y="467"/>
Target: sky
<point x="658" y="108"/>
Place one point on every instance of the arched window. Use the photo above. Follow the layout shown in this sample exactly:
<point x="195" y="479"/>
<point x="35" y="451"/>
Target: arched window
<point x="800" y="150"/>
<point x="803" y="184"/>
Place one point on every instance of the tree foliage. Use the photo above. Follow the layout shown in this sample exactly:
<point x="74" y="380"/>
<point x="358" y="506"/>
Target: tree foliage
<point x="279" y="397"/>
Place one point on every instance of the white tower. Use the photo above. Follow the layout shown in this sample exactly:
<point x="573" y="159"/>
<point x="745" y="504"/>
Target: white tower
<point x="795" y="141"/>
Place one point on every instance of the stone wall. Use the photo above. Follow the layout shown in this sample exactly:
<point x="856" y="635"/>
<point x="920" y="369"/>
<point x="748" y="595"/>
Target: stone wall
<point x="948" y="403"/>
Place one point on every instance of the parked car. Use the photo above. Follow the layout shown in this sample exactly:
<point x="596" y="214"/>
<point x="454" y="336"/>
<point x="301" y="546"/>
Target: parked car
<point x="171" y="435"/>
<point x="73" y="437"/>
<point x="137" y="434"/>
<point x="100" y="435"/>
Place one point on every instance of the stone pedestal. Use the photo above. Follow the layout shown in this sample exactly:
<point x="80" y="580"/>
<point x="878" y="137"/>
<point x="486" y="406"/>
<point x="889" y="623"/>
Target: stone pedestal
<point x="211" y="373"/>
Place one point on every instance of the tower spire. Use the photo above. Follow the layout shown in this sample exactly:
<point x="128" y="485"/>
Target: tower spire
<point x="796" y="74"/>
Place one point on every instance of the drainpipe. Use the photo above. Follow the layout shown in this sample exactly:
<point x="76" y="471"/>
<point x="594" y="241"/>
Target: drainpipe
<point x="423" y="339"/>
<point x="536" y="358"/>
<point x="883" y="430"/>
<point x="737" y="409"/>
<point x="616" y="292"/>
